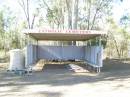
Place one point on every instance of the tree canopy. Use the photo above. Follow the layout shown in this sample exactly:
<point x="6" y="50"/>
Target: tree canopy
<point x="65" y="14"/>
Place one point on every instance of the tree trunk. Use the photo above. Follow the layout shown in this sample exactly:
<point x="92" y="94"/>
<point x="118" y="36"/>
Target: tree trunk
<point x="69" y="10"/>
<point x="116" y="46"/>
<point x="75" y="20"/>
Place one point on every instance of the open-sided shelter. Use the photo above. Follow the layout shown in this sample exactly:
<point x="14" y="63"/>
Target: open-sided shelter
<point x="91" y="55"/>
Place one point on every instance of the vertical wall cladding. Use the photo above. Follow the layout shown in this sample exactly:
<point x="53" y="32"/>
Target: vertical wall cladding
<point x="73" y="52"/>
<point x="31" y="54"/>
<point x="28" y="55"/>
<point x="100" y="56"/>
<point x="87" y="53"/>
<point x="49" y="52"/>
<point x="61" y="52"/>
<point x="34" y="53"/>
<point x="93" y="54"/>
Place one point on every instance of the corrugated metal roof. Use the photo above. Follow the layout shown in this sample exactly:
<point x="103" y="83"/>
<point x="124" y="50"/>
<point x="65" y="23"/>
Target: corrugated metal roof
<point x="63" y="35"/>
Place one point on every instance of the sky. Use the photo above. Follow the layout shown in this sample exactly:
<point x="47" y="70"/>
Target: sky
<point x="119" y="8"/>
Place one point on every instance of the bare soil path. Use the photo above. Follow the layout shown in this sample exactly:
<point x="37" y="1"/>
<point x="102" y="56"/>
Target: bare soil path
<point x="55" y="81"/>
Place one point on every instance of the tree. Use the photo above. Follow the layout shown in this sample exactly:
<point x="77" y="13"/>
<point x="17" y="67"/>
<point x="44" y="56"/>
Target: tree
<point x="93" y="12"/>
<point x="25" y="5"/>
<point x="117" y="41"/>
<point x="125" y="21"/>
<point x="86" y="14"/>
<point x="55" y="12"/>
<point x="1" y="30"/>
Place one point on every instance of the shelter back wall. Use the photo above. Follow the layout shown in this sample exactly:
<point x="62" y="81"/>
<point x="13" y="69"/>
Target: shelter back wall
<point x="91" y="54"/>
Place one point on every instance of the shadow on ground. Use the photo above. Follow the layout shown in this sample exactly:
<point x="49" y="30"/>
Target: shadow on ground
<point x="60" y="75"/>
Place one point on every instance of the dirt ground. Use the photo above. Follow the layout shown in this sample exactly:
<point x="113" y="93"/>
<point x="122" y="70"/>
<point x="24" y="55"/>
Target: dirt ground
<point x="61" y="81"/>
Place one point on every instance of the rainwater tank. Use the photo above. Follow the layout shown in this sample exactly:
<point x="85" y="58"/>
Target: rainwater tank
<point x="17" y="60"/>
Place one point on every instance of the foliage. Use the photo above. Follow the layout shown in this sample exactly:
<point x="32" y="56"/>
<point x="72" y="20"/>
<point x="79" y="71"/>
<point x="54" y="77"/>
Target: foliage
<point x="1" y="30"/>
<point x="66" y="14"/>
<point x="117" y="41"/>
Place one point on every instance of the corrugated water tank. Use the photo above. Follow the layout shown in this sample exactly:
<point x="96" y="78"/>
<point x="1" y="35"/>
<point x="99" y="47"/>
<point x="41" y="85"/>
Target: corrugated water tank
<point x="17" y="60"/>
